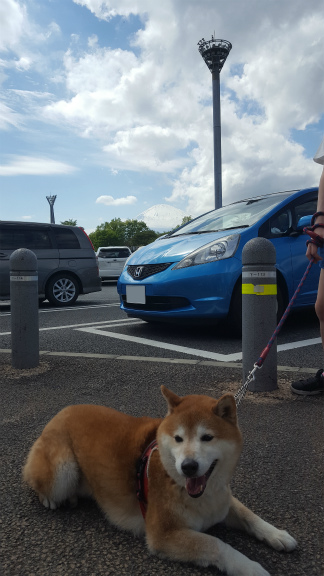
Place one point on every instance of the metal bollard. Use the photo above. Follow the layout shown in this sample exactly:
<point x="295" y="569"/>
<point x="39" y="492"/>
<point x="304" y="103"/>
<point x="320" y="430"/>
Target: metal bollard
<point x="259" y="312"/>
<point x="24" y="309"/>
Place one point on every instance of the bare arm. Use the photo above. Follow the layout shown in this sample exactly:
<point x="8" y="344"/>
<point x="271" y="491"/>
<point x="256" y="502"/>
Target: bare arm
<point x="311" y="251"/>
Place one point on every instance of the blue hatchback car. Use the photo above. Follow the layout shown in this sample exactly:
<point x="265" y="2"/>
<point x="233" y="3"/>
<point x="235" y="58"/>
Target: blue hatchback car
<point x="195" y="272"/>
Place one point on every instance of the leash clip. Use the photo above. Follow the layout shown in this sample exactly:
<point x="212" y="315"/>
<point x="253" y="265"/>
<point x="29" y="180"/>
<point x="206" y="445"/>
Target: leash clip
<point x="242" y="391"/>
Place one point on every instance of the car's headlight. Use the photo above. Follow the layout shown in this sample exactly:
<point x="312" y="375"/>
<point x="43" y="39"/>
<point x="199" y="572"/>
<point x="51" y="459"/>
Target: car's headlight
<point x="216" y="250"/>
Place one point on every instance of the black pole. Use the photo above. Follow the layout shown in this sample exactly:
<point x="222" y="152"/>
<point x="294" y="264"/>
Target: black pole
<point x="217" y="140"/>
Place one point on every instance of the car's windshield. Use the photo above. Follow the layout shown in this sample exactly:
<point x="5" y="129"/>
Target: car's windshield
<point x="238" y="215"/>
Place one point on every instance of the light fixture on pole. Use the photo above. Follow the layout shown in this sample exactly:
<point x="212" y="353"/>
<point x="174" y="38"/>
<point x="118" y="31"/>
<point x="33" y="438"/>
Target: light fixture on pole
<point x="214" y="53"/>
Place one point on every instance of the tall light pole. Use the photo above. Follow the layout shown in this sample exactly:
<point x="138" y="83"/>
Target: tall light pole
<point x="51" y="200"/>
<point x="214" y="53"/>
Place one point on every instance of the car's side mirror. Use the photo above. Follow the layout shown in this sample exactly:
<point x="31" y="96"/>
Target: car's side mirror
<point x="303" y="223"/>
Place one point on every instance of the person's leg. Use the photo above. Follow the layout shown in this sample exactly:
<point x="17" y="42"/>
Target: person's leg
<point x="314" y="384"/>
<point x="319" y="305"/>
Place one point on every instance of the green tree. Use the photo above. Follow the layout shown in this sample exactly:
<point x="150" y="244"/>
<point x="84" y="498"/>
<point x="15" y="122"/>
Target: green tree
<point x="119" y="233"/>
<point x="70" y="222"/>
<point x="137" y="233"/>
<point x="105" y="235"/>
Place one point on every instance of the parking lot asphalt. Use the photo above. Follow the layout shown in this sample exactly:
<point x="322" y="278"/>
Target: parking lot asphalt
<point x="279" y="476"/>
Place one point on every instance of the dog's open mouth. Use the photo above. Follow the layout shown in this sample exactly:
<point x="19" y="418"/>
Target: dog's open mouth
<point x="196" y="486"/>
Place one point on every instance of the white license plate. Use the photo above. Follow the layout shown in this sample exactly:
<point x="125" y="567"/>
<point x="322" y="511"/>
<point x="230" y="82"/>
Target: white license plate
<point x="135" y="294"/>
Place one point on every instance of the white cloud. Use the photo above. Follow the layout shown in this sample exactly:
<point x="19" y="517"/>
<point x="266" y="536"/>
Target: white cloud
<point x="110" y="201"/>
<point x="8" y="117"/>
<point x="28" y="165"/>
<point x="148" y="148"/>
<point x="93" y="41"/>
<point x="12" y="21"/>
<point x="23" y="63"/>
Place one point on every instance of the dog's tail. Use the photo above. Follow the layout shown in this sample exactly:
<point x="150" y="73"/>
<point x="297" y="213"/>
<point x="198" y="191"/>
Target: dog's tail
<point x="51" y="470"/>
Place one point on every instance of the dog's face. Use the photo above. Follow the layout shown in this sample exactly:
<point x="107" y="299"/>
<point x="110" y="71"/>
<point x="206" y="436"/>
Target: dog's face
<point x="199" y="440"/>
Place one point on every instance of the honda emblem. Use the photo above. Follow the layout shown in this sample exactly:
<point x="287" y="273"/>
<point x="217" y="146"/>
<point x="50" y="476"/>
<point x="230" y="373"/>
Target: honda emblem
<point x="138" y="271"/>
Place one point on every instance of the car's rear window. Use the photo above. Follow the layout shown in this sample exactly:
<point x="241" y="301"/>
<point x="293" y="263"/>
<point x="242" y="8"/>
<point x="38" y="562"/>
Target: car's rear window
<point x="121" y="253"/>
<point x="12" y="238"/>
<point x="66" y="238"/>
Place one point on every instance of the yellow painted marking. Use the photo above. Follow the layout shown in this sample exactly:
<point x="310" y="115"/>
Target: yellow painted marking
<point x="260" y="289"/>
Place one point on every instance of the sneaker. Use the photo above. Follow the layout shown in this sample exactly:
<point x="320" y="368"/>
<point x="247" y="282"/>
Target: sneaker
<point x="311" y="386"/>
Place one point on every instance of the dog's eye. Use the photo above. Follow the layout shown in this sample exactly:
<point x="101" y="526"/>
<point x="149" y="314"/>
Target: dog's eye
<point x="178" y="439"/>
<point x="206" y="438"/>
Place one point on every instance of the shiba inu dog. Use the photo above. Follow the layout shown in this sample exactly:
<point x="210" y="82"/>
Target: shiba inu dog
<point x="95" y="451"/>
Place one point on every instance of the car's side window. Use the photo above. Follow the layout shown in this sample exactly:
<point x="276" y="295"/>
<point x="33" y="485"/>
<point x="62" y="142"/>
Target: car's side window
<point x="14" y="238"/>
<point x="66" y="238"/>
<point x="280" y="224"/>
<point x="277" y="226"/>
<point x="284" y="223"/>
<point x="303" y="209"/>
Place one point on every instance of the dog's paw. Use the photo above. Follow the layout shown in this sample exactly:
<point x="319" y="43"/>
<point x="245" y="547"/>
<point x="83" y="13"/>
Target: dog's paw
<point x="249" y="568"/>
<point x="282" y="541"/>
<point x="257" y="570"/>
<point x="236" y="564"/>
<point x="50" y="504"/>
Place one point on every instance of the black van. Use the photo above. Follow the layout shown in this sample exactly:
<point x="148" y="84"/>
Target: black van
<point x="67" y="263"/>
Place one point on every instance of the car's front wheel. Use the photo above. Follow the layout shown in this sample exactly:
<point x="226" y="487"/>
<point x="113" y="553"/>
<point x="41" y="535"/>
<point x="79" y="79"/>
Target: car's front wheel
<point x="62" y="290"/>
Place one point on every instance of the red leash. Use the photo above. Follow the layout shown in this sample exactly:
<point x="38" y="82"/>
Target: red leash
<point x="266" y="350"/>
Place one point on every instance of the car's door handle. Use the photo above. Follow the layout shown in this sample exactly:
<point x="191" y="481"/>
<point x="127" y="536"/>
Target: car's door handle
<point x="3" y="255"/>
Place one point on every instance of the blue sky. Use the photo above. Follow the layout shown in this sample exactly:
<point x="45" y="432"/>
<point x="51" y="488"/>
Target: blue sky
<point x="108" y="105"/>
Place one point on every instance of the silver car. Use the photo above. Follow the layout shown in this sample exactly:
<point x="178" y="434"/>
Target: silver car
<point x="67" y="263"/>
<point x="111" y="261"/>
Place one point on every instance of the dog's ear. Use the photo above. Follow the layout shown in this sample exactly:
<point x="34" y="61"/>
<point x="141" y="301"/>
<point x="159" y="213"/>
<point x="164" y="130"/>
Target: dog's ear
<point x="226" y="408"/>
<point x="172" y="399"/>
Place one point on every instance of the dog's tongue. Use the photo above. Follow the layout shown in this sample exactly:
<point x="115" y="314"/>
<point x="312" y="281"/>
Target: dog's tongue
<point x="196" y="486"/>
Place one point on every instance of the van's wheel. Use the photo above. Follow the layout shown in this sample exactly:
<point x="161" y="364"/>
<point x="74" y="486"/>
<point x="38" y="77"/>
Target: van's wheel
<point x="62" y="290"/>
<point x="234" y="318"/>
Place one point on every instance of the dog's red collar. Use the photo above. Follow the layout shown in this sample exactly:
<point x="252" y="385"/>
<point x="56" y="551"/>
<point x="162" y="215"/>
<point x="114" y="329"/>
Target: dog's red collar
<point x="142" y="476"/>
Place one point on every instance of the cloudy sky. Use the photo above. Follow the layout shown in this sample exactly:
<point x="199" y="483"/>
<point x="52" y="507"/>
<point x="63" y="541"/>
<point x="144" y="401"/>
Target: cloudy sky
<point x="107" y="104"/>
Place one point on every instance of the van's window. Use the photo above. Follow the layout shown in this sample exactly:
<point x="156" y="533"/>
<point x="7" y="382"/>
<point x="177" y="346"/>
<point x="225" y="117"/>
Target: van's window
<point x="34" y="239"/>
<point x="66" y="238"/>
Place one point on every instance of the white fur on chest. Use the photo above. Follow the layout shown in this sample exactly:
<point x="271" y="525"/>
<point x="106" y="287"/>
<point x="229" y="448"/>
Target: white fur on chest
<point x="210" y="509"/>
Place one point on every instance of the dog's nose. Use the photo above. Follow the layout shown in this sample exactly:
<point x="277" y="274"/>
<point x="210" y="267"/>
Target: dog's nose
<point x="189" y="467"/>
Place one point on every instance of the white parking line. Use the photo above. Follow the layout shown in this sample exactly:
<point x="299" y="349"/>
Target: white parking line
<point x="97" y="328"/>
<point x="111" y="323"/>
<point x="300" y="344"/>
<point x="193" y="351"/>
<point x="72" y="308"/>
